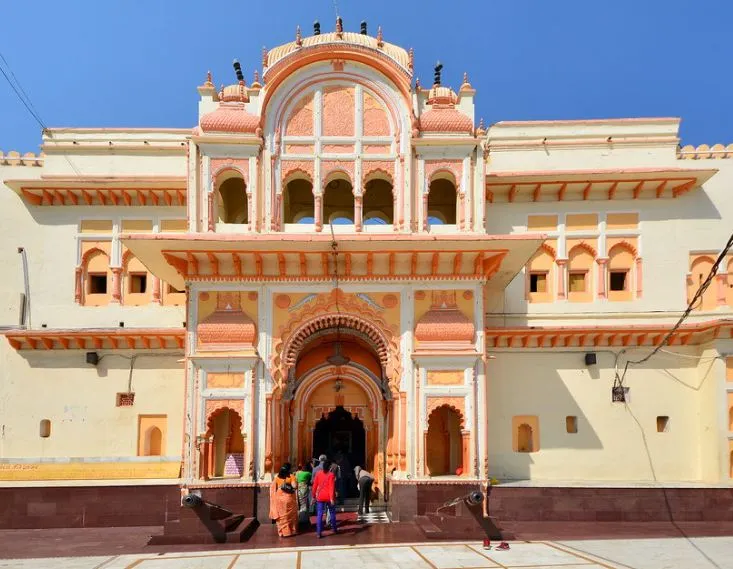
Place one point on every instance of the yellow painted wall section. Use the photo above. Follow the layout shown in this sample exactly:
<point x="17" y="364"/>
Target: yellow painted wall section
<point x="174" y="225"/>
<point x="90" y="471"/>
<point x="578" y="221"/>
<point x="622" y="221"/>
<point x="542" y="223"/>
<point x="136" y="226"/>
<point x="95" y="226"/>
<point x="80" y="401"/>
<point x="609" y="444"/>
<point x="150" y="442"/>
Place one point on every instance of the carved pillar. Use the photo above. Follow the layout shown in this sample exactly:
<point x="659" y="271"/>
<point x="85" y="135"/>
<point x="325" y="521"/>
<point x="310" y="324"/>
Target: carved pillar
<point x="561" y="263"/>
<point x="277" y="219"/>
<point x="268" y="434"/>
<point x="116" y="284"/>
<point x="639" y="277"/>
<point x="318" y="214"/>
<point x="403" y="432"/>
<point x="425" y="212"/>
<point x="721" y="282"/>
<point x="156" y="290"/>
<point x="466" y="452"/>
<point x="210" y="458"/>
<point x="358" y="212"/>
<point x="250" y="213"/>
<point x="461" y="211"/>
<point x="210" y="208"/>
<point x="602" y="277"/>
<point x="78" y="285"/>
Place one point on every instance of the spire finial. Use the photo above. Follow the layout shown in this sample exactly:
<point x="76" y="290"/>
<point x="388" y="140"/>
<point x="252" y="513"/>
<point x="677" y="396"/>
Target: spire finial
<point x="465" y="77"/>
<point x="438" y="68"/>
<point x="411" y="63"/>
<point x="264" y="56"/>
<point x="298" y="37"/>
<point x="339" y="26"/>
<point x="418" y="87"/>
<point x="380" y="41"/>
<point x="209" y="82"/>
<point x="256" y="78"/>
<point x="221" y="91"/>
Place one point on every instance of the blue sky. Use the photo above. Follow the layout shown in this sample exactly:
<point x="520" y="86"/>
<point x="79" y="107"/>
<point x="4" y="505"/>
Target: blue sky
<point x="138" y="62"/>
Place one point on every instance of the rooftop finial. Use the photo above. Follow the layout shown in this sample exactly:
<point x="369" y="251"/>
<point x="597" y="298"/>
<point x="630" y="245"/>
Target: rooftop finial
<point x="316" y="28"/>
<point x="221" y="91"/>
<point x="438" y="69"/>
<point x="465" y="77"/>
<point x="264" y="56"/>
<point x="238" y="70"/>
<point x="298" y="37"/>
<point x="380" y="41"/>
<point x="256" y="78"/>
<point x="363" y="27"/>
<point x="418" y="87"/>
<point x="411" y="63"/>
<point x="339" y="26"/>
<point x="209" y="81"/>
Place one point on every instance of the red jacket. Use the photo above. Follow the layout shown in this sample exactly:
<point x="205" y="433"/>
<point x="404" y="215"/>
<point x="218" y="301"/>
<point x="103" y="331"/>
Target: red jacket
<point x="324" y="486"/>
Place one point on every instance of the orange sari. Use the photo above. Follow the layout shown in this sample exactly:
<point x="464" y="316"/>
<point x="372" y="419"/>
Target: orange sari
<point x="284" y="506"/>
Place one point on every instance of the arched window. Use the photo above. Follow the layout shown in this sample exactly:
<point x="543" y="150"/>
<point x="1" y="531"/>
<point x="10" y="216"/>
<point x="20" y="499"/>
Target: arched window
<point x="225" y="426"/>
<point x="232" y="201"/>
<point x="580" y="273"/>
<point x="154" y="442"/>
<point x="298" y="202"/>
<point x="137" y="282"/>
<point x="699" y="271"/>
<point x="442" y="202"/>
<point x="338" y="201"/>
<point x="524" y="438"/>
<point x="443" y="443"/>
<point x="540" y="275"/>
<point x="378" y="202"/>
<point x="621" y="261"/>
<point x="97" y="278"/>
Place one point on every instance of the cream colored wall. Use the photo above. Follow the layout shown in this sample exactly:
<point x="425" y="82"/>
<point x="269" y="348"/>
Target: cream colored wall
<point x="80" y="402"/>
<point x="614" y="442"/>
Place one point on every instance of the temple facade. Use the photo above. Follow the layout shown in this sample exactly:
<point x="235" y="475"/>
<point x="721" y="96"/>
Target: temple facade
<point x="338" y="260"/>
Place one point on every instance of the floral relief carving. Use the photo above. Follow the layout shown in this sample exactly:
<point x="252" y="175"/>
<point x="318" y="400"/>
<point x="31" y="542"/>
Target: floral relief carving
<point x="370" y="167"/>
<point x="455" y="167"/>
<point x="300" y="122"/>
<point x="457" y="404"/>
<point x="338" y="111"/>
<point x="328" y="167"/>
<point x="375" y="121"/>
<point x="291" y="167"/>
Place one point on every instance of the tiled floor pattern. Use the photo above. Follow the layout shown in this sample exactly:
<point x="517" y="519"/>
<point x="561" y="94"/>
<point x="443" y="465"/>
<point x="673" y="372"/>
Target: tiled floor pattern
<point x="696" y="553"/>
<point x="374" y="518"/>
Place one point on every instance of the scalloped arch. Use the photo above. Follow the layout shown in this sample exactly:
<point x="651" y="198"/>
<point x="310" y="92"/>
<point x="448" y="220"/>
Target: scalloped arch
<point x="547" y="249"/>
<point x="584" y="246"/>
<point x="624" y="245"/>
<point x="441" y="404"/>
<point x="89" y="254"/>
<point x="218" y="411"/>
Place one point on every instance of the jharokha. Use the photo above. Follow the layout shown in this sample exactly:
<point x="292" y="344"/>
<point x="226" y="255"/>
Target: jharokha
<point x="339" y="260"/>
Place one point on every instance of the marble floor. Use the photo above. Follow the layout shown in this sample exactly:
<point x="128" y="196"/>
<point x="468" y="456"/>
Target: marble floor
<point x="690" y="553"/>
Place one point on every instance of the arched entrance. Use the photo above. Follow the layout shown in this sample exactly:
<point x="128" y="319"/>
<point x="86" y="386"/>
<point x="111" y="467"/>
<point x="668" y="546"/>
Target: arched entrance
<point x="443" y="442"/>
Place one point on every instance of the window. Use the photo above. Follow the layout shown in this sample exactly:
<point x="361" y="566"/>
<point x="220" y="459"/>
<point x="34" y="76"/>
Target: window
<point x="538" y="282"/>
<point x="662" y="423"/>
<point x="45" y="428"/>
<point x="138" y="283"/>
<point x="576" y="282"/>
<point x="571" y="424"/>
<point x="98" y="283"/>
<point x="442" y="202"/>
<point x="618" y="280"/>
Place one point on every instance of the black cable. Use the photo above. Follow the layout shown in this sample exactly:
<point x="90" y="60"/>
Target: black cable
<point x="22" y="100"/>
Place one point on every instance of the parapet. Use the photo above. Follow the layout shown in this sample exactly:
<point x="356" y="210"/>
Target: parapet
<point x="14" y="158"/>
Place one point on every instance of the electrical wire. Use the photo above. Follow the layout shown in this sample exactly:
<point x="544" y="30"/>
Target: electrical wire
<point x="619" y="379"/>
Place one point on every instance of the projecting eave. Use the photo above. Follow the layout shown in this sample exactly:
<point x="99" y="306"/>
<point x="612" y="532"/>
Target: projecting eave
<point x="598" y="184"/>
<point x="182" y="258"/>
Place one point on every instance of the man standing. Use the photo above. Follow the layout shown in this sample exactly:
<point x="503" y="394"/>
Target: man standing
<point x="364" y="481"/>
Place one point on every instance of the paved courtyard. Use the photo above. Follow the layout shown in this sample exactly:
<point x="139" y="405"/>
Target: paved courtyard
<point x="693" y="553"/>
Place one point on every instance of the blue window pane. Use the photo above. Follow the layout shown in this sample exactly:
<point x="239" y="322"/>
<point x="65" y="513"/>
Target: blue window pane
<point x="375" y="221"/>
<point x="434" y="220"/>
<point x="307" y="220"/>
<point x="341" y="221"/>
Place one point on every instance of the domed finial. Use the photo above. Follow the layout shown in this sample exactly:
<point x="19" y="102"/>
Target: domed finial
<point x="339" y="26"/>
<point x="316" y="28"/>
<point x="418" y="87"/>
<point x="380" y="41"/>
<point x="209" y="82"/>
<point x="256" y="78"/>
<point x="298" y="37"/>
<point x="438" y="68"/>
<point x="264" y="56"/>
<point x="481" y="130"/>
<point x="411" y="63"/>
<point x="221" y="91"/>
<point x="465" y="77"/>
<point x="363" y="28"/>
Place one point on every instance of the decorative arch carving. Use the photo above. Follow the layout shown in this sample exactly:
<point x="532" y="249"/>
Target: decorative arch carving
<point x="585" y="247"/>
<point x="291" y="168"/>
<point x="317" y="314"/>
<point x="90" y="253"/>
<point x="435" y="168"/>
<point x="215" y="407"/>
<point x="548" y="249"/>
<point x="220" y="166"/>
<point x="330" y="167"/>
<point x="126" y="256"/>
<point x="381" y="169"/>
<point x="456" y="404"/>
<point x="626" y="246"/>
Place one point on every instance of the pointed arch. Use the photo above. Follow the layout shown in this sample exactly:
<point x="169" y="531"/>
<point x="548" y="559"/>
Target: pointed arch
<point x="585" y="247"/>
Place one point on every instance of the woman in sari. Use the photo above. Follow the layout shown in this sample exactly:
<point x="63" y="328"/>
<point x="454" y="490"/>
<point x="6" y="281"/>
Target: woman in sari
<point x="303" y="477"/>
<point x="284" y="502"/>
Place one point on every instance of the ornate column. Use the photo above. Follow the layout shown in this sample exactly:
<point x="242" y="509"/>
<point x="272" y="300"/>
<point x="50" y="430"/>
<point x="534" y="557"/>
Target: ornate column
<point x="156" y="290"/>
<point x="639" y="277"/>
<point x="318" y="214"/>
<point x="461" y="211"/>
<point x="721" y="282"/>
<point x="425" y="212"/>
<point x="466" y="453"/>
<point x="358" y="212"/>
<point x="268" y="434"/>
<point x="78" y="285"/>
<point x="561" y="263"/>
<point x="210" y="209"/>
<point x="116" y="284"/>
<point x="403" y="433"/>
<point x="602" y="263"/>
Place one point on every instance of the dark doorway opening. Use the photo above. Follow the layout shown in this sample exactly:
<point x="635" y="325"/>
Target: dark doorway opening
<point x="342" y="438"/>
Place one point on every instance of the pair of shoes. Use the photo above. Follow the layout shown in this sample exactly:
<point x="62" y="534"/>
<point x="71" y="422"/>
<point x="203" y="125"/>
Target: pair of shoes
<point x="503" y="546"/>
<point x="487" y="544"/>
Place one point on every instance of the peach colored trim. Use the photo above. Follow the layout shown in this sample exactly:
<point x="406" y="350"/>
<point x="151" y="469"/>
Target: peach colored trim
<point x="690" y="152"/>
<point x="116" y="284"/>
<point x="586" y="247"/>
<point x="561" y="265"/>
<point x="602" y="277"/>
<point x="721" y="282"/>
<point x="78" y="284"/>
<point x="595" y="336"/>
<point x="639" y="277"/>
<point x="156" y="290"/>
<point x="111" y="338"/>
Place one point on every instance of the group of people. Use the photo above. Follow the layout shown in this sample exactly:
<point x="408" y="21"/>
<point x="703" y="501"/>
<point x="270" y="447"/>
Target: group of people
<point x="294" y="495"/>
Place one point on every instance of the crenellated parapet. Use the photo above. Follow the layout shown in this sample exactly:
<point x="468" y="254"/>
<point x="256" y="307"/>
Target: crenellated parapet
<point x="703" y="152"/>
<point x="14" y="158"/>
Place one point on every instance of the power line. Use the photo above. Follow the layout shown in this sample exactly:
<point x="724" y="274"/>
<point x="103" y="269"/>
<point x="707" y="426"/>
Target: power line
<point x="27" y="104"/>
